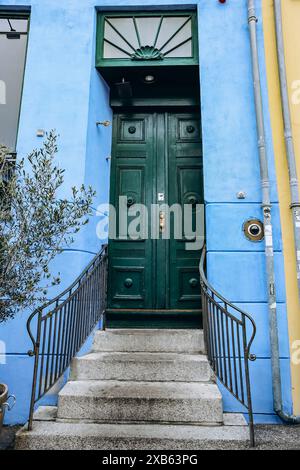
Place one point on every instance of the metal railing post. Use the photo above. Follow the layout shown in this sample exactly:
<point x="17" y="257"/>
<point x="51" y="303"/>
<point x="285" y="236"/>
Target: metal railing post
<point x="35" y="352"/>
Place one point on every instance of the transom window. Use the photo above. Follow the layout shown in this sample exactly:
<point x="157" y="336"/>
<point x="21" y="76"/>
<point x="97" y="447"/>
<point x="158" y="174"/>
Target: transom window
<point x="141" y="37"/>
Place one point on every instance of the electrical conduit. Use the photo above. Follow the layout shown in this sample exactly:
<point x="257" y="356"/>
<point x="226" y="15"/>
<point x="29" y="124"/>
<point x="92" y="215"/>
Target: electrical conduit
<point x="266" y="207"/>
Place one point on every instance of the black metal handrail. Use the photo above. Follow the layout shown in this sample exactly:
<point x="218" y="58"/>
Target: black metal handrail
<point x="229" y="333"/>
<point x="64" y="324"/>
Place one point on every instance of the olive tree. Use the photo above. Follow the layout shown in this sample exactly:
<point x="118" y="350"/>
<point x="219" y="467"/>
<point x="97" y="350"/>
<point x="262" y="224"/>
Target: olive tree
<point x="35" y="225"/>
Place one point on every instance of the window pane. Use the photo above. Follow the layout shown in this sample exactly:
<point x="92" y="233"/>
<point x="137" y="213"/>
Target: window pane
<point x="147" y="28"/>
<point x="111" y="52"/>
<point x="129" y="34"/>
<point x="183" y="51"/>
<point x="116" y="39"/>
<point x="126" y="27"/>
<point x="183" y="35"/>
<point x="169" y="26"/>
<point x="18" y="25"/>
<point x="12" y="60"/>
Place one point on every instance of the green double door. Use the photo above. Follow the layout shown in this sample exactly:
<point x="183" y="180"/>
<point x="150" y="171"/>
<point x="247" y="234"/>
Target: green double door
<point x="153" y="264"/>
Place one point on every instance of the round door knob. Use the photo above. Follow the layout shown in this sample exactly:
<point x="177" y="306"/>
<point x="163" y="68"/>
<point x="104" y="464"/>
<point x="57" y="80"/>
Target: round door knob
<point x="193" y="282"/>
<point x="128" y="283"/>
<point x="192" y="200"/>
<point x="190" y="129"/>
<point x="132" y="130"/>
<point x="130" y="201"/>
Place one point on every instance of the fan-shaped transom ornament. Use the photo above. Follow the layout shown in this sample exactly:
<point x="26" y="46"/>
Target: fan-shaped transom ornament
<point x="144" y="38"/>
<point x="147" y="53"/>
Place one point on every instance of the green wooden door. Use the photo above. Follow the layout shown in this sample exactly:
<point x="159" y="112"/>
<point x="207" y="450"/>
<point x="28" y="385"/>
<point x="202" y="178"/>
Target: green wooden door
<point x="156" y="162"/>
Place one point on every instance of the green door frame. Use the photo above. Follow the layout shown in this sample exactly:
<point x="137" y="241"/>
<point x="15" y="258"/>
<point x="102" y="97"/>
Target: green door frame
<point x="171" y="99"/>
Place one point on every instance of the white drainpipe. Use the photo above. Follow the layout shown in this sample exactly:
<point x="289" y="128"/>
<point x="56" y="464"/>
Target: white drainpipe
<point x="266" y="207"/>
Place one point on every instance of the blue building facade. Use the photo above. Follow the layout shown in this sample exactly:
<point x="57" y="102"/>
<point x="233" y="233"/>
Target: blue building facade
<point x="63" y="90"/>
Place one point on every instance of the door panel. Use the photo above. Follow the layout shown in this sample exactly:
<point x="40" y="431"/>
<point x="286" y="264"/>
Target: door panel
<point x="157" y="159"/>
<point x="185" y="183"/>
<point x="131" y="176"/>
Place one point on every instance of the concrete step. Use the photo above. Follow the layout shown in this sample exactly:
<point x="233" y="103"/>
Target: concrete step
<point x="51" y="435"/>
<point x="178" y="341"/>
<point x="142" y="367"/>
<point x="116" y="401"/>
<point x="49" y="413"/>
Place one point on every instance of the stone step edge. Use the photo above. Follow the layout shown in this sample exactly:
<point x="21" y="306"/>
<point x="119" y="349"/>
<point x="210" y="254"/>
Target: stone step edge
<point x="106" y="360"/>
<point x="49" y="413"/>
<point x="151" y="331"/>
<point x="143" y="390"/>
<point x="52" y="435"/>
<point x="119" y="340"/>
<point x="137" y="356"/>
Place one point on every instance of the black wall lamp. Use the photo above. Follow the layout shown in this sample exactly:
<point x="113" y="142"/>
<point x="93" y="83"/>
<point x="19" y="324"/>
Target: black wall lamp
<point x="12" y="34"/>
<point x="124" y="89"/>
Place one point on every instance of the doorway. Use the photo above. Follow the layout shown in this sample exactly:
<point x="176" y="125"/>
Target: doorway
<point x="150" y="60"/>
<point x="154" y="271"/>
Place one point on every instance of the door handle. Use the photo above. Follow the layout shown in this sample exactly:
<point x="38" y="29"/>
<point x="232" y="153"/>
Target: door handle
<point x="162" y="220"/>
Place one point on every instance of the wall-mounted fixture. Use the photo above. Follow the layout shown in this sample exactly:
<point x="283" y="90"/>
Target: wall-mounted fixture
<point x="103" y="123"/>
<point x="149" y="79"/>
<point x="124" y="89"/>
<point x="40" y="133"/>
<point x="241" y="195"/>
<point x="254" y="230"/>
<point x="12" y="34"/>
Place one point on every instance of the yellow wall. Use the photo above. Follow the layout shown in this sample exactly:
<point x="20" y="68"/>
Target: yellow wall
<point x="291" y="27"/>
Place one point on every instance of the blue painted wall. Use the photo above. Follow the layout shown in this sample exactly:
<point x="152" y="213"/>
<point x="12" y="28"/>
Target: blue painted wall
<point x="236" y="267"/>
<point x="62" y="90"/>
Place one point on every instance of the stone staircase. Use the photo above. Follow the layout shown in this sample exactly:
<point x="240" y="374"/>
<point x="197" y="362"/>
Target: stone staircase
<point x="138" y="389"/>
